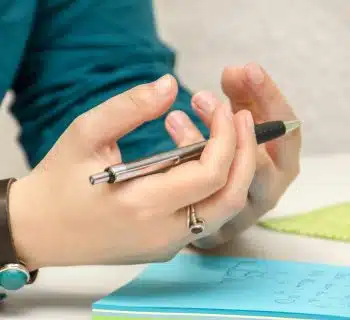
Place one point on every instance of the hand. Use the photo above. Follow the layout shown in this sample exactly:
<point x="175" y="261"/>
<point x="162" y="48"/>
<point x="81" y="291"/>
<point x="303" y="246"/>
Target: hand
<point x="59" y="219"/>
<point x="232" y="198"/>
<point x="277" y="162"/>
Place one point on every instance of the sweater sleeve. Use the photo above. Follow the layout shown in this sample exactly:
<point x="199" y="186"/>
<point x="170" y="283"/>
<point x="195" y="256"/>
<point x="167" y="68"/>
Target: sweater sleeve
<point x="82" y="52"/>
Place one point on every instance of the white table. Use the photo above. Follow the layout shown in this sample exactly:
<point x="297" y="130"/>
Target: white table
<point x="68" y="293"/>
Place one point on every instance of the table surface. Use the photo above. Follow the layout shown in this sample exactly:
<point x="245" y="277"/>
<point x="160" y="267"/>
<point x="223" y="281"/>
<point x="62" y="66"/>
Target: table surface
<point x="67" y="293"/>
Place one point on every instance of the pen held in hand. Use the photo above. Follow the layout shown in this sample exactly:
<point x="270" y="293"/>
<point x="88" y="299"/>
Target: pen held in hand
<point x="264" y="132"/>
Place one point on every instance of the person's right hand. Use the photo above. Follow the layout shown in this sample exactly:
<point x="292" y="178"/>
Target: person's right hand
<point x="59" y="219"/>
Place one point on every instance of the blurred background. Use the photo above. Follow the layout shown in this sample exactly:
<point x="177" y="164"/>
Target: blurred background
<point x="304" y="45"/>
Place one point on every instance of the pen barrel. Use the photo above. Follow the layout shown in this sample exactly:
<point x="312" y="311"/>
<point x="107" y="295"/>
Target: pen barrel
<point x="155" y="164"/>
<point x="264" y="132"/>
<point x="267" y="131"/>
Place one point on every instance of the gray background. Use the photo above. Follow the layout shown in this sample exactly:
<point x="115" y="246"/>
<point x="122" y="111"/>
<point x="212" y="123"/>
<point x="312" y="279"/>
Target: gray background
<point x="303" y="44"/>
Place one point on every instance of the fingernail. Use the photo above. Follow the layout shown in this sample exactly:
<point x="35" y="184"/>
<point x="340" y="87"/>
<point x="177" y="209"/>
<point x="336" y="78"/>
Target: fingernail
<point x="249" y="122"/>
<point x="178" y="121"/>
<point x="163" y="85"/>
<point x="205" y="101"/>
<point x="254" y="73"/>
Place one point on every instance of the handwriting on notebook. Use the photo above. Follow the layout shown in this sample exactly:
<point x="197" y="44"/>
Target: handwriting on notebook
<point x="191" y="282"/>
<point x="316" y="287"/>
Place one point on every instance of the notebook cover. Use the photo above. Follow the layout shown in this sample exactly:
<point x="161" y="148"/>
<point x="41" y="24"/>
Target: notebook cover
<point x="208" y="287"/>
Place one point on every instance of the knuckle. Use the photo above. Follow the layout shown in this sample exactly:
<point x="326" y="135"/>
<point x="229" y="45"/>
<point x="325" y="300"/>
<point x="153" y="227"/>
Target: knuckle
<point x="217" y="179"/>
<point x="80" y="126"/>
<point x="192" y="136"/>
<point x="77" y="122"/>
<point x="236" y="202"/>
<point x="270" y="203"/>
<point x="142" y="98"/>
<point x="240" y="202"/>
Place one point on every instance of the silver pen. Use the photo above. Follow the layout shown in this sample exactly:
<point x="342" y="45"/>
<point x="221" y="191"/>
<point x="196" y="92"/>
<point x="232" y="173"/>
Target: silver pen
<point x="161" y="162"/>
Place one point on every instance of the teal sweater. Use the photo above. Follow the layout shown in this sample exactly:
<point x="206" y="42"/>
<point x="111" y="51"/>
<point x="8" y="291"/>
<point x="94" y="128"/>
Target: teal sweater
<point x="63" y="57"/>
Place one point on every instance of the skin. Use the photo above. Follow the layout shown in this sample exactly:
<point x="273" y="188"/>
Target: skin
<point x="59" y="219"/>
<point x="277" y="162"/>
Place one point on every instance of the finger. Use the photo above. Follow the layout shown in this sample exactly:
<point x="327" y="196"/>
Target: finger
<point x="123" y="113"/>
<point x="268" y="104"/>
<point x="231" y="200"/>
<point x="266" y="189"/>
<point x="252" y="87"/>
<point x="205" y="112"/>
<point x="182" y="130"/>
<point x="244" y="166"/>
<point x="285" y="151"/>
<point x="195" y="180"/>
<point x="266" y="94"/>
<point x="204" y="109"/>
<point x="228" y="202"/>
<point x="236" y="89"/>
<point x="263" y="196"/>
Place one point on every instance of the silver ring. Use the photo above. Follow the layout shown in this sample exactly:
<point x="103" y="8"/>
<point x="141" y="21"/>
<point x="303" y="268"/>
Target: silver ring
<point x="195" y="224"/>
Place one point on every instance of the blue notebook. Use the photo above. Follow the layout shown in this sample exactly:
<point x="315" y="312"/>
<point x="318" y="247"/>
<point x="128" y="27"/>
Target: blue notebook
<point x="207" y="287"/>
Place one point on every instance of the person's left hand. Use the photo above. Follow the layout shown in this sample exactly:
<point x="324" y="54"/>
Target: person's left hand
<point x="277" y="161"/>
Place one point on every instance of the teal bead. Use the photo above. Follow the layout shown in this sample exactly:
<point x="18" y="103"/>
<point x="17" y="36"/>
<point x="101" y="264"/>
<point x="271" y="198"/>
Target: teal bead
<point x="13" y="279"/>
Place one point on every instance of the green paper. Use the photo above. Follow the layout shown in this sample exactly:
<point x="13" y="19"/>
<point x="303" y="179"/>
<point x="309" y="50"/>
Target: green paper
<point x="331" y="222"/>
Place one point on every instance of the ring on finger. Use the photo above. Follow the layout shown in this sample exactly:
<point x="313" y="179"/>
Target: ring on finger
<point x="195" y="224"/>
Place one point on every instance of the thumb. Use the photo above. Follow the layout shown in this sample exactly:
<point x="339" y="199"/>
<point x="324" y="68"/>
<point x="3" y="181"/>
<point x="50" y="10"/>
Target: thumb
<point x="125" y="112"/>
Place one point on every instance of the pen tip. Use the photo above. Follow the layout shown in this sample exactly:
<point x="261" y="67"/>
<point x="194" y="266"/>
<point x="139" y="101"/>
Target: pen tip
<point x="292" y="125"/>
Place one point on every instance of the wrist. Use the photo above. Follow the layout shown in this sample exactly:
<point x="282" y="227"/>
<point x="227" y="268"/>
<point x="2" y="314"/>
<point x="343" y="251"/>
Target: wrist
<point x="26" y="225"/>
